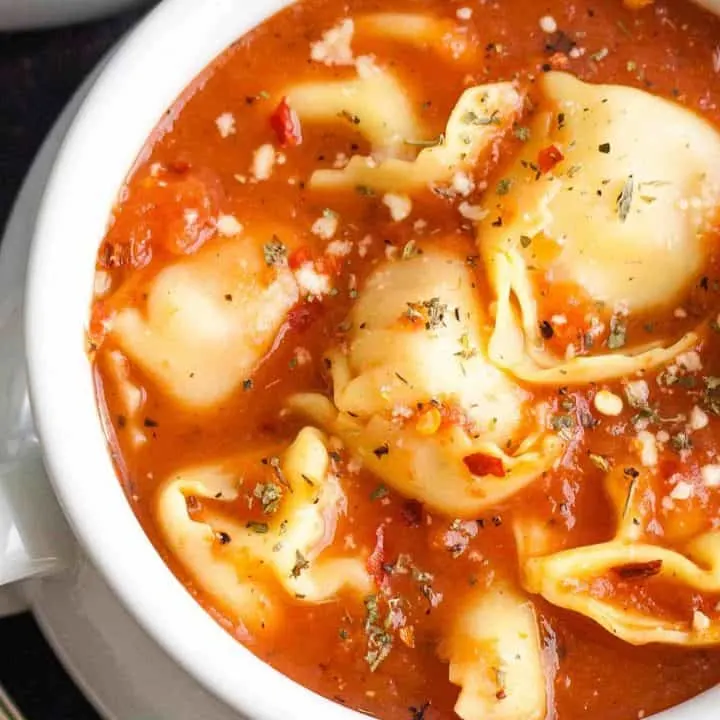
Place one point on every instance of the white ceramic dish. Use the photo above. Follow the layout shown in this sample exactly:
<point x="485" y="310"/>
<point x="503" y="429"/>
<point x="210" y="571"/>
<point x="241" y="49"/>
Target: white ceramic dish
<point x="157" y="61"/>
<point x="34" y="14"/>
<point x="119" y="668"/>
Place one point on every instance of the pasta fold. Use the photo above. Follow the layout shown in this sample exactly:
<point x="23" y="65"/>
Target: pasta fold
<point x="416" y="346"/>
<point x="374" y="103"/>
<point x="208" y="321"/>
<point x="481" y="116"/>
<point x="590" y="203"/>
<point x="495" y="657"/>
<point x="586" y="579"/>
<point x="234" y="562"/>
<point x="422" y="30"/>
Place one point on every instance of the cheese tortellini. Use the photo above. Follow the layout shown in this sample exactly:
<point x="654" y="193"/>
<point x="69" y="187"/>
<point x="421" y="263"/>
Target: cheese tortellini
<point x="626" y="199"/>
<point x="209" y="320"/>
<point x="374" y="104"/>
<point x="416" y="342"/>
<point x="237" y="562"/>
<point x="445" y="36"/>
<point x="481" y="116"/>
<point x="584" y="579"/>
<point x="494" y="652"/>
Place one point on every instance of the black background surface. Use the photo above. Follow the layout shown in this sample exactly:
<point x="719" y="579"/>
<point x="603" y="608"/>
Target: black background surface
<point x="39" y="71"/>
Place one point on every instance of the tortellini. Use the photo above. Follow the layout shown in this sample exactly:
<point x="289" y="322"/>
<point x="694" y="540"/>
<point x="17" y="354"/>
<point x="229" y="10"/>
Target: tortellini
<point x="583" y="579"/>
<point x="495" y="657"/>
<point x="613" y="193"/>
<point x="374" y="104"/>
<point x="235" y="562"/>
<point x="209" y="320"/>
<point x="417" y="341"/>
<point x="480" y="117"/>
<point x="420" y="29"/>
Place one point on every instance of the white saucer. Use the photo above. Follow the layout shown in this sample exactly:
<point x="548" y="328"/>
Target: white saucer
<point x="120" y="669"/>
<point x="33" y="14"/>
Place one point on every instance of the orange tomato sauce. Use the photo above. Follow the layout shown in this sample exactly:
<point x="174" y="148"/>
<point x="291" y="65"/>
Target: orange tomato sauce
<point x="665" y="48"/>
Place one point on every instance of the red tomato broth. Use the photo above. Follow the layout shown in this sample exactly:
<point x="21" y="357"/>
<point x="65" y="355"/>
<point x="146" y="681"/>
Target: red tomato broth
<point x="665" y="49"/>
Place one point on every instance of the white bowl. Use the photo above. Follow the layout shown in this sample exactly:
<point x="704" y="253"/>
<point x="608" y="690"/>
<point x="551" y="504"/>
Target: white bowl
<point x="32" y="14"/>
<point x="144" y="77"/>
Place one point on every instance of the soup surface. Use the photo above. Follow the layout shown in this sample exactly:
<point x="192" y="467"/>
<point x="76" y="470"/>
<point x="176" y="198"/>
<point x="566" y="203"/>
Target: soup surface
<point x="405" y="337"/>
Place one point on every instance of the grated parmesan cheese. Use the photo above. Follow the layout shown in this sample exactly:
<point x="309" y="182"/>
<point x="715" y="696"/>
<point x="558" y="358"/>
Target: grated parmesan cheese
<point x="400" y="206"/>
<point x="637" y="392"/>
<point x="689" y="361"/>
<point x="462" y="183"/>
<point x="225" y="124"/>
<point x="681" y="491"/>
<point x="302" y="355"/>
<point x="263" y="162"/>
<point x="548" y="24"/>
<point x="698" y="418"/>
<point x="334" y="47"/>
<point x="700" y="621"/>
<point x="326" y="226"/>
<point x="312" y="282"/>
<point x="608" y="403"/>
<point x="366" y="67"/>
<point x="228" y="226"/>
<point x="472" y="212"/>
<point x="102" y="283"/>
<point x="464" y="13"/>
<point x="710" y="475"/>
<point x="648" y="448"/>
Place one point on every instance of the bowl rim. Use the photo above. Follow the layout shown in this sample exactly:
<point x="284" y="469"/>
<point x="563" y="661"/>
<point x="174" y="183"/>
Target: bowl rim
<point x="150" y="69"/>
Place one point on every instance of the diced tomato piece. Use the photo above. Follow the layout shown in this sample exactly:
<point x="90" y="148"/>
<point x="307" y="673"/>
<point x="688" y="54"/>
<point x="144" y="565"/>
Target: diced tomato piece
<point x="548" y="158"/>
<point x="185" y="215"/>
<point x="377" y="557"/>
<point x="481" y="464"/>
<point x="286" y="124"/>
<point x="173" y="210"/>
<point x="299" y="257"/>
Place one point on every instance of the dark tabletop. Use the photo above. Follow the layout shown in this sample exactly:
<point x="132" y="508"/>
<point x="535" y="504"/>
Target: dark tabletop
<point x="39" y="71"/>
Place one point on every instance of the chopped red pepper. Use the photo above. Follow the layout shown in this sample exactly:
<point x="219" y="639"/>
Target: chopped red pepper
<point x="286" y="124"/>
<point x="377" y="557"/>
<point x="481" y="464"/>
<point x="548" y="158"/>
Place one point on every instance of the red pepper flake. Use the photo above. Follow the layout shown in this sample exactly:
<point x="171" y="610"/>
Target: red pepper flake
<point x="377" y="557"/>
<point x="548" y="158"/>
<point x="639" y="570"/>
<point x="286" y="124"/>
<point x="481" y="464"/>
<point x="299" y="257"/>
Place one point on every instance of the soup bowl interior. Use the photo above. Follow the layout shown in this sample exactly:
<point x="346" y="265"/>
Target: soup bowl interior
<point x="147" y="73"/>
